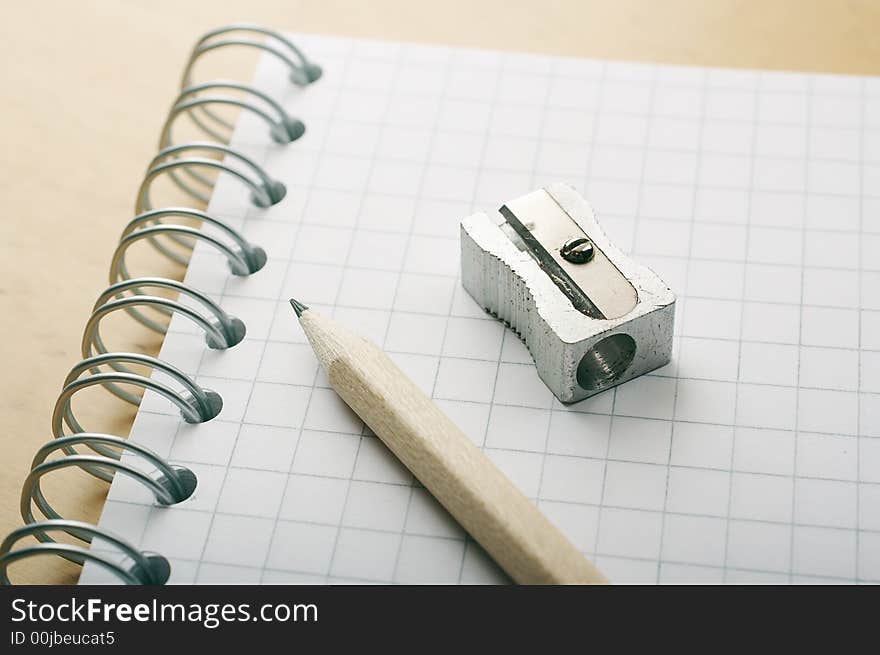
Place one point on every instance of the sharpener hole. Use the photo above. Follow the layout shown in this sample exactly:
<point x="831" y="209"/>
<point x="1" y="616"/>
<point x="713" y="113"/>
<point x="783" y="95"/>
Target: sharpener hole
<point x="603" y="364"/>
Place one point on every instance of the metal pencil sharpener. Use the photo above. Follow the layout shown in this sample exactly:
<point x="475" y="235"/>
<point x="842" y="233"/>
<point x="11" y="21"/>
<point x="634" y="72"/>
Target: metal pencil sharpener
<point x="590" y="316"/>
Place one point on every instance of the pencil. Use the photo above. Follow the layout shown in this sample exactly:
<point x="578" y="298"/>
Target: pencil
<point x="520" y="539"/>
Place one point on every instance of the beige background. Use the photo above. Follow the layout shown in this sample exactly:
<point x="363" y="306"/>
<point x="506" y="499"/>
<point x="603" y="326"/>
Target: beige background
<point x="86" y="86"/>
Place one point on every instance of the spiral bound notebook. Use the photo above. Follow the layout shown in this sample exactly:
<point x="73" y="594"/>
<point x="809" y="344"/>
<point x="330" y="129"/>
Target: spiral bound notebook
<point x="753" y="457"/>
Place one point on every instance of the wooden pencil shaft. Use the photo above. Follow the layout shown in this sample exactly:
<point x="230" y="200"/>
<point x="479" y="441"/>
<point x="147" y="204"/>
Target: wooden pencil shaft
<point x="471" y="488"/>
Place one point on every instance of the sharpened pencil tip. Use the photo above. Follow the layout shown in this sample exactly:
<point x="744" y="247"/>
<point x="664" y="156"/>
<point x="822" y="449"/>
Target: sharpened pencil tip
<point x="298" y="307"/>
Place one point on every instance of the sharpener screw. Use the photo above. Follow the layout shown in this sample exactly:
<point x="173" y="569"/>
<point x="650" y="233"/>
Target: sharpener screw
<point x="577" y="250"/>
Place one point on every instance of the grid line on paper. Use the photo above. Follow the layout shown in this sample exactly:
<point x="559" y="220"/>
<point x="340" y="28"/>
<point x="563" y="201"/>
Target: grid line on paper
<point x="211" y="521"/>
<point x="692" y="336"/>
<point x="469" y="542"/>
<point x="345" y="263"/>
<point x="626" y="147"/>
<point x="730" y="488"/>
<point x="819" y="578"/>
<point x="351" y="246"/>
<point x="589" y="177"/>
<point x="792" y="549"/>
<point x="361" y="518"/>
<point x="624" y="112"/>
<point x="858" y="526"/>
<point x="690" y="242"/>
<point x="185" y="460"/>
<point x="623" y="557"/>
<point x="676" y="562"/>
<point x="734" y="260"/>
<point x="656" y="256"/>
<point x="268" y="549"/>
<point x="431" y="142"/>
<point x="830" y="229"/>
<point x="706" y="423"/>
<point x="532" y="183"/>
<point x="573" y="504"/>
<point x="638" y="213"/>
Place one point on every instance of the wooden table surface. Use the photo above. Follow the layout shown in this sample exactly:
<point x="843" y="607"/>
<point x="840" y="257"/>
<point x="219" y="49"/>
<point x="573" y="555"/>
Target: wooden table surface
<point x="86" y="85"/>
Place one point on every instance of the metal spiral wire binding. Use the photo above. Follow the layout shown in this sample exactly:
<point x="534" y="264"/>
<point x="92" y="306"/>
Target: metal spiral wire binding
<point x="264" y="190"/>
<point x="243" y="257"/>
<point x="109" y="454"/>
<point x="282" y="128"/>
<point x="196" y="404"/>
<point x="223" y="332"/>
<point x="142" y="569"/>
<point x="169" y="484"/>
<point x="302" y="71"/>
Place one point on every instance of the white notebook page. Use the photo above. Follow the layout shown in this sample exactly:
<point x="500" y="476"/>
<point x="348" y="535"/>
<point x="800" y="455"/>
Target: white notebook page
<point x="754" y="456"/>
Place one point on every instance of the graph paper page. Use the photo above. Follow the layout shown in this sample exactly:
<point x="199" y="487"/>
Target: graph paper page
<point x="753" y="457"/>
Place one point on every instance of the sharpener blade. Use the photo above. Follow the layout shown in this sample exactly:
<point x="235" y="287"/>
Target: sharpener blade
<point x="590" y="316"/>
<point x="596" y="287"/>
